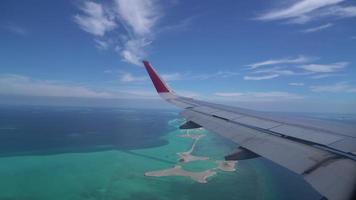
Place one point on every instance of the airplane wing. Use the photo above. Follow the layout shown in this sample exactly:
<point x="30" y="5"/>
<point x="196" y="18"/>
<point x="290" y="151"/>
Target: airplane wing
<point x="324" y="153"/>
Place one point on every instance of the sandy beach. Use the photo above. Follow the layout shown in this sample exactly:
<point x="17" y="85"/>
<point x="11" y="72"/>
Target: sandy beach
<point x="200" y="177"/>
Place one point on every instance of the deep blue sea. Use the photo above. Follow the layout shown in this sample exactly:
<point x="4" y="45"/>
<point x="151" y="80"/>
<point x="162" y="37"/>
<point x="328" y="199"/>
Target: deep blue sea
<point x="47" y="130"/>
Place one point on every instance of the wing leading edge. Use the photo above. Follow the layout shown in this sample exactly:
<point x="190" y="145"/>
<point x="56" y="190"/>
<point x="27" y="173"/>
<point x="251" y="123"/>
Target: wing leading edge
<point x="323" y="154"/>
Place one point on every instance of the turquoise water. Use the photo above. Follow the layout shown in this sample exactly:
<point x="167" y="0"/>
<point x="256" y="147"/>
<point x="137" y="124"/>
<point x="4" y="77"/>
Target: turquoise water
<point x="118" y="173"/>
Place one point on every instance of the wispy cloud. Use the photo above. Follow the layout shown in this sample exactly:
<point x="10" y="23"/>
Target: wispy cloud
<point x="100" y="44"/>
<point x="299" y="59"/>
<point x="299" y="66"/>
<point x="324" y="68"/>
<point x="321" y="76"/>
<point x="218" y="74"/>
<point x="296" y="84"/>
<point x="140" y="15"/>
<point x="259" y="96"/>
<point x="139" y="18"/>
<point x="184" y="24"/>
<point x="128" y="77"/>
<point x="94" y="19"/>
<point x="12" y="84"/>
<point x="189" y="94"/>
<point x="14" y="28"/>
<point x="125" y="25"/>
<point x="336" y="88"/>
<point x="258" y="78"/>
<point x="307" y="10"/>
<point x="280" y="71"/>
<point x="339" y="11"/>
<point x="172" y="76"/>
<point x="318" y="28"/>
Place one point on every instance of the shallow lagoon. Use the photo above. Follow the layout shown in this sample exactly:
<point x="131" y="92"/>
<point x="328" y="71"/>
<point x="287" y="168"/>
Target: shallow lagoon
<point x="110" y="171"/>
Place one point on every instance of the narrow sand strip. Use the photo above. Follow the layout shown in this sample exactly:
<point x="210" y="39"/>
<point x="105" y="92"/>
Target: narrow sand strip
<point x="193" y="136"/>
<point x="200" y="177"/>
<point x="187" y="156"/>
<point x="227" y="166"/>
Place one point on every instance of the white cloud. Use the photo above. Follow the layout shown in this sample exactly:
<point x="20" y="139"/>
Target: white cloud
<point x="128" y="77"/>
<point x="298" y="9"/>
<point x="336" y="88"/>
<point x="324" y="68"/>
<point x="11" y="84"/>
<point x="172" y="77"/>
<point x="327" y="75"/>
<point x="280" y="71"/>
<point x="218" y="74"/>
<point x="299" y="66"/>
<point x="143" y="94"/>
<point x="299" y="59"/>
<point x="94" y="19"/>
<point x="133" y="50"/>
<point x="100" y="44"/>
<point x="258" y="78"/>
<point x="229" y="94"/>
<point x="137" y="19"/>
<point x="296" y="84"/>
<point x="259" y="96"/>
<point x="307" y="10"/>
<point x="318" y="28"/>
<point x="189" y="94"/>
<point x="140" y="15"/>
<point x="14" y="28"/>
<point x="339" y="11"/>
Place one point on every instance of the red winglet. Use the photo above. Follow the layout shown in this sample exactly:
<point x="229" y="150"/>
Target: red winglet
<point x="156" y="80"/>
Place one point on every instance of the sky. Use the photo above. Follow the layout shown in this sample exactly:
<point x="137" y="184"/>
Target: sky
<point x="294" y="55"/>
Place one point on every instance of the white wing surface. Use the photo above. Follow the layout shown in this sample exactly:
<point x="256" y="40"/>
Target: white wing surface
<point x="324" y="153"/>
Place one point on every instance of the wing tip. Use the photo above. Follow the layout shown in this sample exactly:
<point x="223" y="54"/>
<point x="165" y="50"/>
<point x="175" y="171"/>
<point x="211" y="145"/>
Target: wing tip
<point x="146" y="63"/>
<point x="159" y="84"/>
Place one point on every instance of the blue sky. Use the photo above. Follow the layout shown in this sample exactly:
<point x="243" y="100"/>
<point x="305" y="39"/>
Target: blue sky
<point x="295" y="55"/>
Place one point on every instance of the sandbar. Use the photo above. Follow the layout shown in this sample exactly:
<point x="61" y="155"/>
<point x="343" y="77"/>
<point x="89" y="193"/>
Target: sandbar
<point x="228" y="166"/>
<point x="187" y="156"/>
<point x="200" y="177"/>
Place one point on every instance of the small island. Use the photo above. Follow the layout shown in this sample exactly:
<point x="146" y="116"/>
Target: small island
<point x="186" y="157"/>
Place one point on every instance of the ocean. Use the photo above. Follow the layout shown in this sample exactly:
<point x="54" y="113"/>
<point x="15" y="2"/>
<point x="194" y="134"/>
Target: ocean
<point x="80" y="153"/>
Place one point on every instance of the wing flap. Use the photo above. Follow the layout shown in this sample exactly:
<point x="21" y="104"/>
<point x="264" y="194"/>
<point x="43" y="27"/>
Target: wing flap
<point x="307" y="134"/>
<point x="256" y="122"/>
<point x="344" y="143"/>
<point x="347" y="145"/>
<point x="334" y="179"/>
<point x="292" y="155"/>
